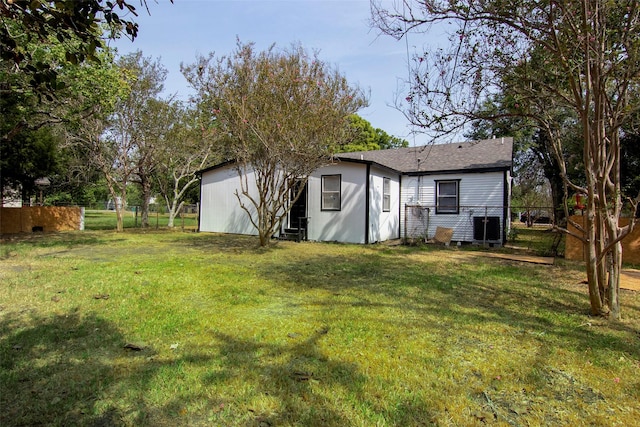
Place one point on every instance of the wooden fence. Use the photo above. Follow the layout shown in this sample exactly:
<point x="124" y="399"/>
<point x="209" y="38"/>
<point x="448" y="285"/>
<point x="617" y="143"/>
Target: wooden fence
<point x="574" y="249"/>
<point x="30" y="219"/>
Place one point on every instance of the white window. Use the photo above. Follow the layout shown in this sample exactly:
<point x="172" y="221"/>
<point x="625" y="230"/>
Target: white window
<point x="447" y="197"/>
<point x="331" y="192"/>
<point x="386" y="194"/>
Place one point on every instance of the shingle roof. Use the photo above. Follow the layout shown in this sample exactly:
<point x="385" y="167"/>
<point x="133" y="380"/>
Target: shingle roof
<point x="462" y="156"/>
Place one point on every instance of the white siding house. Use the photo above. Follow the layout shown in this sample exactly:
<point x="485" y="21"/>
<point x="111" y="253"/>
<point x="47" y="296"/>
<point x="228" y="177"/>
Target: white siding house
<point x="479" y="195"/>
<point x="220" y="210"/>
<point x="373" y="196"/>
<point x="463" y="186"/>
<point x="343" y="202"/>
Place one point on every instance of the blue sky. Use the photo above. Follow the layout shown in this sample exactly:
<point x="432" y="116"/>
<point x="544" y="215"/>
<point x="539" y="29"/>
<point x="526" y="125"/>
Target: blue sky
<point x="338" y="29"/>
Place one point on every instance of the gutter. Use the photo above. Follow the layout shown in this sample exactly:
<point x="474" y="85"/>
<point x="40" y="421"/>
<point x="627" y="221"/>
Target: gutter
<point x="367" y="201"/>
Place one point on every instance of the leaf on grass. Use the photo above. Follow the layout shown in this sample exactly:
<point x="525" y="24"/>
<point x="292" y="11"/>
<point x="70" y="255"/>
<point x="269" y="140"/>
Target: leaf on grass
<point x="133" y="347"/>
<point x="484" y="416"/>
<point x="101" y="296"/>
<point x="519" y="409"/>
<point x="263" y="422"/>
<point x="173" y="346"/>
<point x="301" y="376"/>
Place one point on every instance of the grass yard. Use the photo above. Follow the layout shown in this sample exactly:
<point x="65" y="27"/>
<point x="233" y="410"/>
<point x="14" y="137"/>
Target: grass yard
<point x="164" y="329"/>
<point x="538" y="239"/>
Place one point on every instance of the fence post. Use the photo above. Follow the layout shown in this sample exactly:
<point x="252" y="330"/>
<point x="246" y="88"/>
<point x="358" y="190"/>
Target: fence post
<point x="405" y="224"/>
<point x="426" y="230"/>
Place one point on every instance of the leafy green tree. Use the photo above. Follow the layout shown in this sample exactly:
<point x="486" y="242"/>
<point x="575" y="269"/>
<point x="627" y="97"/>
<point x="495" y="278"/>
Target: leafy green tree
<point x="139" y="121"/>
<point x="563" y="58"/>
<point x="90" y="144"/>
<point x="40" y="42"/>
<point x="280" y="114"/>
<point x="630" y="165"/>
<point x="362" y="136"/>
<point x="33" y="154"/>
<point x="74" y="24"/>
<point x="26" y="113"/>
<point x="534" y="158"/>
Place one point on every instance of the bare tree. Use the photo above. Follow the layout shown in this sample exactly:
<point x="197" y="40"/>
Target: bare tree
<point x="280" y="115"/>
<point x="574" y="58"/>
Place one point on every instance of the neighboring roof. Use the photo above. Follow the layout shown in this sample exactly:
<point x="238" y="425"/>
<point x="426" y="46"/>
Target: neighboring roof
<point x="488" y="154"/>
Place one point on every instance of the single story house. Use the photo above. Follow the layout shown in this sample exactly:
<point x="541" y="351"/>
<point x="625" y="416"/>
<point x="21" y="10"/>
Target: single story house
<point x="374" y="196"/>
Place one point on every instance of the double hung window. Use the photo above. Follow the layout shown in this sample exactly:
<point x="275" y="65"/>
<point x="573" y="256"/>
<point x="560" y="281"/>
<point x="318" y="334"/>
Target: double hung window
<point x="386" y="194"/>
<point x="447" y="197"/>
<point x="331" y="192"/>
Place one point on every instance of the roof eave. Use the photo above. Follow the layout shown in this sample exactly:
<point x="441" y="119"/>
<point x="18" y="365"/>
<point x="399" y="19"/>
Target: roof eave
<point x="367" y="162"/>
<point x="216" y="166"/>
<point x="459" y="171"/>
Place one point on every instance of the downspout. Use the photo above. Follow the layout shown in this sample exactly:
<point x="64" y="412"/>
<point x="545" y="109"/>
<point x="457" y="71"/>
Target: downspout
<point x="200" y="204"/>
<point x="506" y="214"/>
<point x="400" y="206"/>
<point x="366" y="208"/>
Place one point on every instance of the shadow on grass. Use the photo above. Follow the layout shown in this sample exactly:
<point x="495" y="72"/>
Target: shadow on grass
<point x="73" y="370"/>
<point x="61" y="370"/>
<point x="53" y="371"/>
<point x="460" y="294"/>
<point x="233" y="243"/>
<point x="56" y="239"/>
<point x="303" y="381"/>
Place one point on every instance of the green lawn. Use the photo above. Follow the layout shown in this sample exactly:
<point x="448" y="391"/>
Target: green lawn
<point x="538" y="239"/>
<point x="165" y="328"/>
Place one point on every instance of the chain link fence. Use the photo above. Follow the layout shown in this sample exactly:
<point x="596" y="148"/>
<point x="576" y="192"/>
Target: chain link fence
<point x="99" y="217"/>
<point x="529" y="228"/>
<point x="473" y="224"/>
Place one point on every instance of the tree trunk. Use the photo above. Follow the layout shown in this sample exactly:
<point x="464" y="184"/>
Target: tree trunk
<point x="145" y="185"/>
<point x="120" y="209"/>
<point x="615" y="265"/>
<point x="597" y="307"/>
<point x="551" y="170"/>
<point x="557" y="197"/>
<point x="173" y="211"/>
